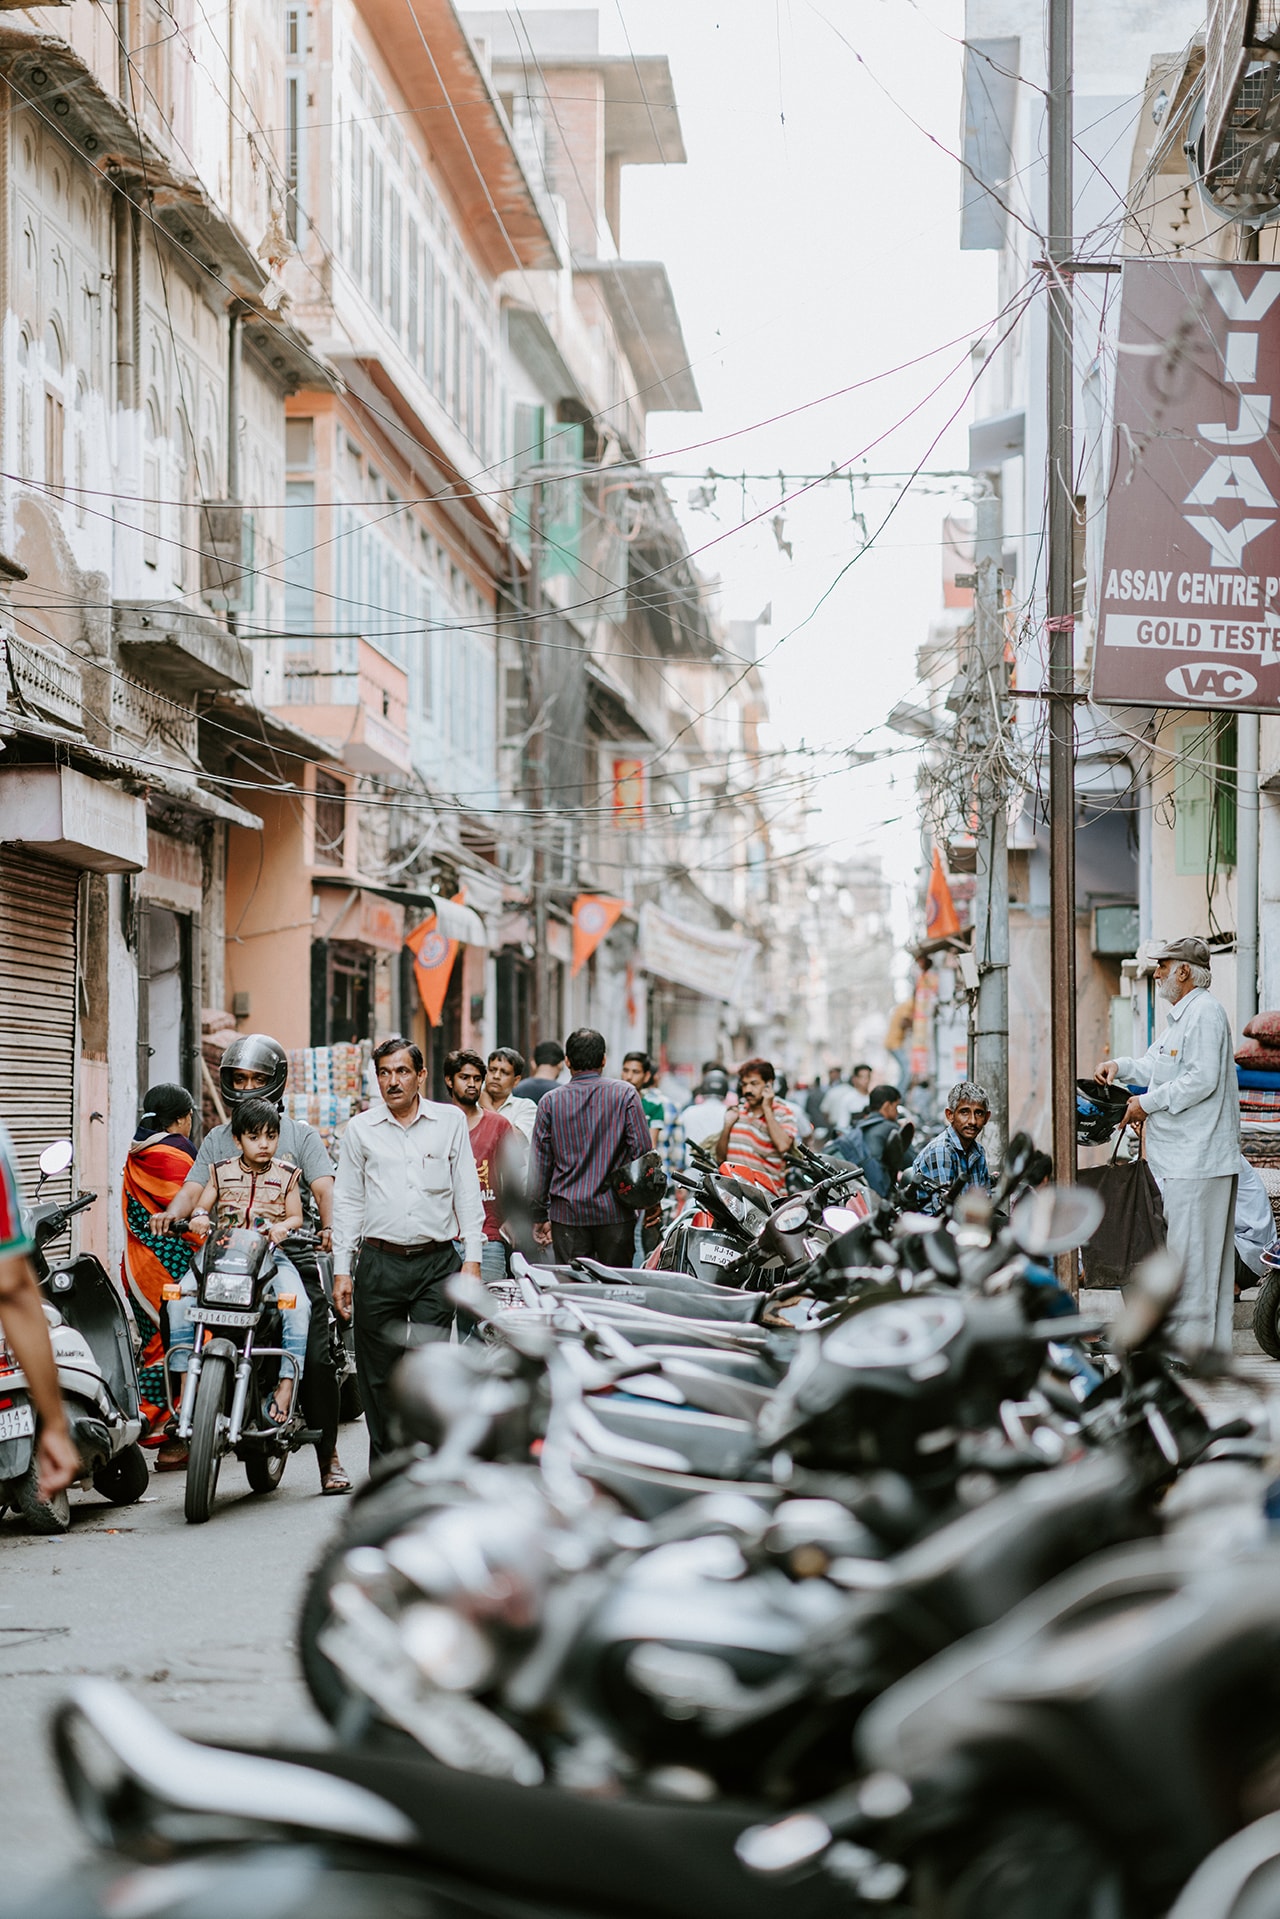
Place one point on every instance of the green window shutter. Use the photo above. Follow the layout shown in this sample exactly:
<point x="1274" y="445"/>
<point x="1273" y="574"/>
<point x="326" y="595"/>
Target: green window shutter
<point x="527" y="452"/>
<point x="562" y="503"/>
<point x="1193" y="792"/>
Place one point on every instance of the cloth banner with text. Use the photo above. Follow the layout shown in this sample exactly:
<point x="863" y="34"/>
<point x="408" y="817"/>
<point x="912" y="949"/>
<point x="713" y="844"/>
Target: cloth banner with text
<point x="593" y="916"/>
<point x="1189" y="600"/>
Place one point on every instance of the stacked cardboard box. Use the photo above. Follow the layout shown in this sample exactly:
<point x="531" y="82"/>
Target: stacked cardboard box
<point x="326" y="1085"/>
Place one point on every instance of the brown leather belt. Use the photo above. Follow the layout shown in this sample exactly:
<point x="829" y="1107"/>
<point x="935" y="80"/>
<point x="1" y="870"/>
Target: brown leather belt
<point x="406" y="1252"/>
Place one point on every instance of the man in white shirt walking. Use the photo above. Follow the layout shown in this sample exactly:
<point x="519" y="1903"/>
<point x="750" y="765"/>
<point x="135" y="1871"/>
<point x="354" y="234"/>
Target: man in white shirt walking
<point x="1190" y="1115"/>
<point x="407" y="1189"/>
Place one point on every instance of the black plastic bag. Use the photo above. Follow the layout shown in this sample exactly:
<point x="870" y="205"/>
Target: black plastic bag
<point x="1132" y="1226"/>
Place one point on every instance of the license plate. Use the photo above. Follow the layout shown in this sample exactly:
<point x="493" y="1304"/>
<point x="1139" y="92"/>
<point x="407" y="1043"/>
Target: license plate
<point x="719" y="1255"/>
<point x="216" y="1316"/>
<point x="16" y="1422"/>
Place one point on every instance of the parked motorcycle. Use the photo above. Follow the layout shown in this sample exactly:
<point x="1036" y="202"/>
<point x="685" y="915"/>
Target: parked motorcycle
<point x="97" y="1377"/>
<point x="231" y="1374"/>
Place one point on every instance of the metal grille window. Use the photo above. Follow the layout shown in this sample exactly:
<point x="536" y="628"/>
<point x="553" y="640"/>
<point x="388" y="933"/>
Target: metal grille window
<point x="331" y="820"/>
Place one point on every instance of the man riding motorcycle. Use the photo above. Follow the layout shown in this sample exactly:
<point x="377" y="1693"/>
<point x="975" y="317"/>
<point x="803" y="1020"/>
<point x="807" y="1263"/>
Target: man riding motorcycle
<point x="255" y="1066"/>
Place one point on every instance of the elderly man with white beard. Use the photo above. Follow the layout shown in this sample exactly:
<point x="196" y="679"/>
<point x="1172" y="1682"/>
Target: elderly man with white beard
<point x="1190" y="1114"/>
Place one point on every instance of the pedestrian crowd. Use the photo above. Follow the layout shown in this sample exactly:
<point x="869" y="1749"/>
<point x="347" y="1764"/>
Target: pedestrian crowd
<point x="567" y="1161"/>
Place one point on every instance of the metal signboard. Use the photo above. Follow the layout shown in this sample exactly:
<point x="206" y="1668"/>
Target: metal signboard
<point x="1189" y="611"/>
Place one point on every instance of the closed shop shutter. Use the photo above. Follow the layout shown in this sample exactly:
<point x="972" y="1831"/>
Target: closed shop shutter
<point x="37" y="1004"/>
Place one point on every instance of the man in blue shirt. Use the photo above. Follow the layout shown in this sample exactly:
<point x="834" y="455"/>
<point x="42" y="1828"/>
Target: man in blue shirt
<point x="955" y="1150"/>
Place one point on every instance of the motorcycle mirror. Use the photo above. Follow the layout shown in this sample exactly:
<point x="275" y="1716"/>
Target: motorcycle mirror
<point x="839" y="1219"/>
<point x="1150" y="1297"/>
<point x="1019" y="1151"/>
<point x="942" y="1256"/>
<point x="1055" y="1219"/>
<point x="471" y="1294"/>
<point x="530" y="1340"/>
<point x="56" y="1158"/>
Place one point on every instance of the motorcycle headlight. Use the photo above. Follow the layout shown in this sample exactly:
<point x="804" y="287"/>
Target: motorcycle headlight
<point x="448" y="1650"/>
<point x="228" y="1288"/>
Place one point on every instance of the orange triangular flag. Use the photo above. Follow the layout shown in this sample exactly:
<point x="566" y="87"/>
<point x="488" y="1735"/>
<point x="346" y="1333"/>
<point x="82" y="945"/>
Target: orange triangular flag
<point x="940" y="917"/>
<point x="593" y="915"/>
<point x="433" y="957"/>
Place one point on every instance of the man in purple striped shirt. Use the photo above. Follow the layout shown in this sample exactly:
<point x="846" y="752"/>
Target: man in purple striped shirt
<point x="583" y="1132"/>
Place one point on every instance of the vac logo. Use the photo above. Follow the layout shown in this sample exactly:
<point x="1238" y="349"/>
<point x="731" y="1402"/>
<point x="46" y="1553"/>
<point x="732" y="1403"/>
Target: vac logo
<point x="1225" y="684"/>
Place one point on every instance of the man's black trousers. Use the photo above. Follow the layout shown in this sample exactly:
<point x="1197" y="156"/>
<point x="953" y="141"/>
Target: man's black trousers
<point x="321" y="1395"/>
<point x="614" y="1243"/>
<point x="399" y="1301"/>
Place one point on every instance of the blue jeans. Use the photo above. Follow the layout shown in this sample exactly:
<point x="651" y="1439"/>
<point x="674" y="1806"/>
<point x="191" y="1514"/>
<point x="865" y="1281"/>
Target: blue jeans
<point x="296" y="1318"/>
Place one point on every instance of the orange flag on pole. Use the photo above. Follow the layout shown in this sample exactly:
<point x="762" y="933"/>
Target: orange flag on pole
<point x="433" y="957"/>
<point x="593" y="915"/>
<point x="940" y="917"/>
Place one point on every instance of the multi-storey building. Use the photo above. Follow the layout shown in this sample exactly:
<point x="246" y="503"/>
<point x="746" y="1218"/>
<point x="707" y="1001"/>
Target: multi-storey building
<point x="145" y="361"/>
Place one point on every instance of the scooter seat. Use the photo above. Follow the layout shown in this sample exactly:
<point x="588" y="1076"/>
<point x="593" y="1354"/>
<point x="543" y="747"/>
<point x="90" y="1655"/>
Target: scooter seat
<point x="604" y="1858"/>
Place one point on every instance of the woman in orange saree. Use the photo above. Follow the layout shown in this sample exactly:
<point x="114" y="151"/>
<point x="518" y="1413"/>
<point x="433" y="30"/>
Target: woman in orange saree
<point x="160" y="1160"/>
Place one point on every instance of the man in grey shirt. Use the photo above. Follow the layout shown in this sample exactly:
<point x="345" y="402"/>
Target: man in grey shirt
<point x="255" y="1066"/>
<point x="407" y="1191"/>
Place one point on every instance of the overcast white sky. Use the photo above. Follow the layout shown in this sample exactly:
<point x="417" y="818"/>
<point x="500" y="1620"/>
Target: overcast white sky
<point x="812" y="241"/>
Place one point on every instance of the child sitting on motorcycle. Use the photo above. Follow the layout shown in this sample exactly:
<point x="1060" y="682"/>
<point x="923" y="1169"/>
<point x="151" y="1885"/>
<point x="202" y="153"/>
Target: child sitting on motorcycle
<point x="255" y="1190"/>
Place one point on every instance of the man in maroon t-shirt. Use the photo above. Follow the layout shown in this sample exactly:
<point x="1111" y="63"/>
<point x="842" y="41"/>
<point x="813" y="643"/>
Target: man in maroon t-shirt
<point x="492" y="1139"/>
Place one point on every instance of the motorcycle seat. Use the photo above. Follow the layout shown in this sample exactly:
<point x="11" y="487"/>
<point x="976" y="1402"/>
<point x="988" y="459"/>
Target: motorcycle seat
<point x="607" y="1859"/>
<point x="742" y="1309"/>
<point x="646" y="1276"/>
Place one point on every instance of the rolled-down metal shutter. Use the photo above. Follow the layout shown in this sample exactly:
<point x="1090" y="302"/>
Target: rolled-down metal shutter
<point x="37" y="1003"/>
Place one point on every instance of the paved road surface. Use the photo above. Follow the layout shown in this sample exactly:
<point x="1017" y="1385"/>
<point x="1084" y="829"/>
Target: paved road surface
<point x="198" y="1622"/>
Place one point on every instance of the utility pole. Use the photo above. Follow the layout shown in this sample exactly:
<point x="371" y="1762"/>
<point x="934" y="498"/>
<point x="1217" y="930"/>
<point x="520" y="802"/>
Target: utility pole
<point x="991" y="898"/>
<point x="537" y="767"/>
<point x="1248" y="730"/>
<point x="1060" y="611"/>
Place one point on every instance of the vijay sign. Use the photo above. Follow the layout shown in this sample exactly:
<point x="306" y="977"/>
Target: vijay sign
<point x="1189" y="613"/>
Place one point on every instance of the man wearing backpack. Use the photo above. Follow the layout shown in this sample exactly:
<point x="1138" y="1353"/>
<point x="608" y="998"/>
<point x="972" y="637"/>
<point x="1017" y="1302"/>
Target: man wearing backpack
<point x="875" y="1142"/>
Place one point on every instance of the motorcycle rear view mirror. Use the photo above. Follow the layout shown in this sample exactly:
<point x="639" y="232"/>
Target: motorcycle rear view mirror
<point x="1019" y="1151"/>
<point x="1055" y="1219"/>
<point x="56" y="1158"/>
<point x="1150" y="1297"/>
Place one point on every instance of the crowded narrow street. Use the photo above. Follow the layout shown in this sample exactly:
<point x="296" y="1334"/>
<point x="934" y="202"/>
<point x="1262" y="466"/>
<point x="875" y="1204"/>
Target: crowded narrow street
<point x="640" y="959"/>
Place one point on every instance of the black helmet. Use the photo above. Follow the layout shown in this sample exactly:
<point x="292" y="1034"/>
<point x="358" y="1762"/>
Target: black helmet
<point x="254" y="1053"/>
<point x="1099" y="1111"/>
<point x="715" y="1084"/>
<point x="641" y="1183"/>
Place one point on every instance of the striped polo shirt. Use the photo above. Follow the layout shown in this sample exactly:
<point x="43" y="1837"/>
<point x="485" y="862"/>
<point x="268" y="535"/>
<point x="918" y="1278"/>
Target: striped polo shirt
<point x="753" y="1154"/>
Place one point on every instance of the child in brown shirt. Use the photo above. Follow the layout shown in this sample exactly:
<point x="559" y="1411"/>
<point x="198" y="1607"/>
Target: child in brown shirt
<point x="257" y="1189"/>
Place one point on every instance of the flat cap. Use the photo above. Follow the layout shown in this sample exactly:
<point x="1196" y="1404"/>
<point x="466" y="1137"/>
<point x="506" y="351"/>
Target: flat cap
<point x="1187" y="952"/>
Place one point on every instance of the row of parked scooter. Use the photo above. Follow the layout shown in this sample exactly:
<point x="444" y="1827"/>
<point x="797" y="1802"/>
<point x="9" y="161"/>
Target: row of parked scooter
<point x="854" y="1569"/>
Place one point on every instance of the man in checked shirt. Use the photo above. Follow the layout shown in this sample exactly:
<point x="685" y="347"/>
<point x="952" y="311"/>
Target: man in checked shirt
<point x="583" y="1133"/>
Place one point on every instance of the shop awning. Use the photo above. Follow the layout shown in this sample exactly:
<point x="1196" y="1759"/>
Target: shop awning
<point x="459" y="922"/>
<point x="454" y="921"/>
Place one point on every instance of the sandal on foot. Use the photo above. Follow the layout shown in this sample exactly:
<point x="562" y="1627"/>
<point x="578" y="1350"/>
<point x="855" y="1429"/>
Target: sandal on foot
<point x="274" y="1413"/>
<point x="334" y="1480"/>
<point x="172" y="1456"/>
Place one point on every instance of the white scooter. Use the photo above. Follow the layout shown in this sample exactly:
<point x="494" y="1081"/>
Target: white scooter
<point x="97" y="1376"/>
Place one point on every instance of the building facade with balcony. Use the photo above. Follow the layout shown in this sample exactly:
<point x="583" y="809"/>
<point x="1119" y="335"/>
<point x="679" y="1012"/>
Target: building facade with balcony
<point x="144" y="362"/>
<point x="408" y="205"/>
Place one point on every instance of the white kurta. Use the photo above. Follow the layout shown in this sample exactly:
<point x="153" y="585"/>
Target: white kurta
<point x="1193" y="1148"/>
